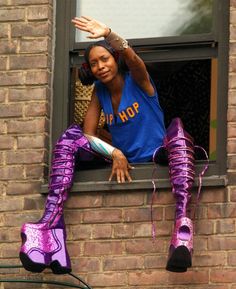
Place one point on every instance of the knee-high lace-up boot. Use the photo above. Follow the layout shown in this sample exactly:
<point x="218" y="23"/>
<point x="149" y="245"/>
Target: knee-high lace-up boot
<point x="44" y="242"/>
<point x="180" y="150"/>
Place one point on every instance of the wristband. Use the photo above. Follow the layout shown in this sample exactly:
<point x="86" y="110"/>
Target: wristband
<point x="116" y="42"/>
<point x="100" y="146"/>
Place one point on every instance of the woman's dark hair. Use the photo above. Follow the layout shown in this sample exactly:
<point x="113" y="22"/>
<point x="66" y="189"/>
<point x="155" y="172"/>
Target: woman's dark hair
<point x="85" y="73"/>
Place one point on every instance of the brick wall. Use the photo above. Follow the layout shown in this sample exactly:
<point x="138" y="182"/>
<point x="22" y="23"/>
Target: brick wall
<point x="108" y="233"/>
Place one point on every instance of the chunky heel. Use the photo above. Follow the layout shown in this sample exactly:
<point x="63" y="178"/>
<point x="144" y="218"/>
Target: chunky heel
<point x="181" y="247"/>
<point x="43" y="247"/>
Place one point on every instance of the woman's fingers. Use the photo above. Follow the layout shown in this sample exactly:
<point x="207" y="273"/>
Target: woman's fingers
<point x="128" y="176"/>
<point x="121" y="176"/>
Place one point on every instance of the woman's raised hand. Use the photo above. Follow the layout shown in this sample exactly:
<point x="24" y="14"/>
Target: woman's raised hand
<point x="95" y="28"/>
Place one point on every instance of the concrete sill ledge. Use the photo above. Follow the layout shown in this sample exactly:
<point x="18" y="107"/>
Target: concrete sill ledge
<point x="96" y="180"/>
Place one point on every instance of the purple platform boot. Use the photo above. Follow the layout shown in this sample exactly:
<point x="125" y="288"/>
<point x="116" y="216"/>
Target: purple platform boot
<point x="180" y="149"/>
<point x="44" y="242"/>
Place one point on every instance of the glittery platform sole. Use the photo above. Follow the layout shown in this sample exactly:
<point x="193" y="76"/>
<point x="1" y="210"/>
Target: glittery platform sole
<point x="43" y="248"/>
<point x="181" y="248"/>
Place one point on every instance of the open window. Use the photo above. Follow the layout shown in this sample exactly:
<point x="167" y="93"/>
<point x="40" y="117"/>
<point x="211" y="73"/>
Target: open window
<point x="184" y="45"/>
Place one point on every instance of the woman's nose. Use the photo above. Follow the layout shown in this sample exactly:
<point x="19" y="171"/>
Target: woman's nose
<point x="100" y="65"/>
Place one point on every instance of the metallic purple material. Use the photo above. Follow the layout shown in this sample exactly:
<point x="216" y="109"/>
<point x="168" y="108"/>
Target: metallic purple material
<point x="44" y="242"/>
<point x="180" y="149"/>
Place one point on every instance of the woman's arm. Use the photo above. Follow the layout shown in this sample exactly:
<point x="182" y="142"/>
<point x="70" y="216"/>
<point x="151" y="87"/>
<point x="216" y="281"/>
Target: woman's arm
<point x="120" y="166"/>
<point x="134" y="62"/>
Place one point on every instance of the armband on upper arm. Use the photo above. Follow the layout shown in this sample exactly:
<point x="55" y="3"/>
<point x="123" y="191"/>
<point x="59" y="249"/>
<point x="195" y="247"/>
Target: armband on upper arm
<point x="100" y="146"/>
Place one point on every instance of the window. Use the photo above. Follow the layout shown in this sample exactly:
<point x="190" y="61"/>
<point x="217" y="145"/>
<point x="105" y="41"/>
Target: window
<point x="185" y="50"/>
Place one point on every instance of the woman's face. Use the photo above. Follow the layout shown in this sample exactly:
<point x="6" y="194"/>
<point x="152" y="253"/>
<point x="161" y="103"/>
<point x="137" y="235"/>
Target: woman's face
<point x="102" y="64"/>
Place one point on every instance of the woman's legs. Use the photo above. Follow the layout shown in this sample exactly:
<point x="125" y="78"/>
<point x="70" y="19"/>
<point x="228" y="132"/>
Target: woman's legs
<point x="180" y="151"/>
<point x="44" y="242"/>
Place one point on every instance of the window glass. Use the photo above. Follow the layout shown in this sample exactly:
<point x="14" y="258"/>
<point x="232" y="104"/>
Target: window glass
<point x="150" y="18"/>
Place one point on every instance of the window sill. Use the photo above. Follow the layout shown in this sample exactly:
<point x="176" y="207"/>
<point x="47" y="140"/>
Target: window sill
<point x="142" y="175"/>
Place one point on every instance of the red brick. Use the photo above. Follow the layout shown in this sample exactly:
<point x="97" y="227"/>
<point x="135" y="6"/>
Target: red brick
<point x="162" y="228"/>
<point x="232" y="194"/>
<point x="27" y="126"/>
<point x="3" y="63"/>
<point x="222" y="275"/>
<point x="163" y="277"/>
<point x="9" y="235"/>
<point x="162" y="197"/>
<point x="17" y="219"/>
<point x="232" y="259"/>
<point x="232" y="95"/>
<point x="122" y="263"/>
<point x="73" y="217"/>
<point x="3" y="127"/>
<point x="12" y="78"/>
<point x="107" y="280"/>
<point x="32" y="2"/>
<point x="35" y="45"/>
<point x="156" y="261"/>
<point x="37" y="171"/>
<point x="103" y="248"/>
<point x="3" y="94"/>
<point x="13" y="204"/>
<point x="144" y="246"/>
<point x="37" y="77"/>
<point x="210" y="259"/>
<point x="102" y="232"/>
<point x="221" y="211"/>
<point x="225" y="226"/>
<point x="216" y="195"/>
<point x="23" y="188"/>
<point x="29" y="142"/>
<point x="31" y="29"/>
<point x="36" y="109"/>
<point x="124" y="199"/>
<point x="142" y="214"/>
<point x="74" y="249"/>
<point x="7" y="142"/>
<point x="8" y="46"/>
<point x="81" y="232"/>
<point x="33" y="202"/>
<point x="11" y="110"/>
<point x="11" y="173"/>
<point x="231" y="130"/>
<point x="102" y="216"/>
<point x="22" y="94"/>
<point x="28" y="62"/>
<point x="221" y="243"/>
<point x="204" y="227"/>
<point x="231" y="146"/>
<point x="86" y="265"/>
<point x="9" y="250"/>
<point x="123" y="230"/>
<point x="12" y="14"/>
<point x="84" y="201"/>
<point x="200" y="243"/>
<point x="39" y="13"/>
<point x="25" y="157"/>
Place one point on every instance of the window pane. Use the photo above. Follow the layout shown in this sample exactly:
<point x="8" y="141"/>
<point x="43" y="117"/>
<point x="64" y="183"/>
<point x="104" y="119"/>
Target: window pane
<point x="186" y="89"/>
<point x="136" y="19"/>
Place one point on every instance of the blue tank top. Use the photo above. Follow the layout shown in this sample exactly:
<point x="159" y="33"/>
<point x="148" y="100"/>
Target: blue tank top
<point x="138" y="128"/>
